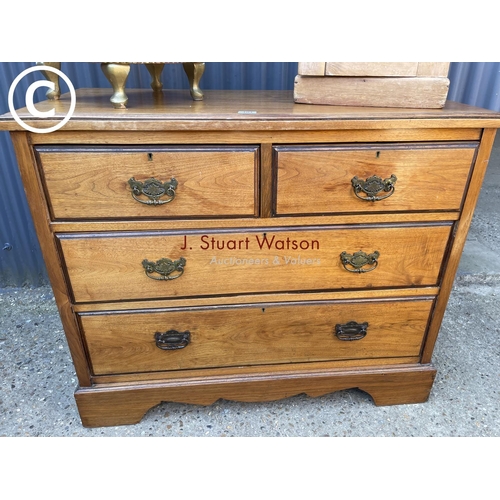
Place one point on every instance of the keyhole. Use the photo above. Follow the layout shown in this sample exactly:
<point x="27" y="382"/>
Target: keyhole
<point x="378" y="154"/>
<point x="150" y="156"/>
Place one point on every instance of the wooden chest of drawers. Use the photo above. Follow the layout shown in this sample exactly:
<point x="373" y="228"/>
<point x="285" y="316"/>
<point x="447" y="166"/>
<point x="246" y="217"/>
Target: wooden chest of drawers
<point x="249" y="248"/>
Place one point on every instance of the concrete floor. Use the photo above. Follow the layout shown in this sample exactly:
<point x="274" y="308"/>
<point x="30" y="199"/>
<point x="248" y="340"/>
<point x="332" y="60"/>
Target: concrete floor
<point x="37" y="378"/>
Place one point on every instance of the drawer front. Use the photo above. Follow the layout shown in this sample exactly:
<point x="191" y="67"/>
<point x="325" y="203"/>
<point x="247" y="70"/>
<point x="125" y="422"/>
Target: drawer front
<point x="124" y="266"/>
<point x="254" y="335"/>
<point x="93" y="183"/>
<point x="344" y="179"/>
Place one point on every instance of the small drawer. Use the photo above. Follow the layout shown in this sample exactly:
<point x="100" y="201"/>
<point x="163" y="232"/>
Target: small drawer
<point x="158" y="340"/>
<point x="150" y="182"/>
<point x="371" y="178"/>
<point x="128" y="266"/>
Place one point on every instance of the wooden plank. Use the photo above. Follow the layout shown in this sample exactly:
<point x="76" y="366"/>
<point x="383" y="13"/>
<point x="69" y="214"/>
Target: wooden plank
<point x="262" y="299"/>
<point x="349" y="131"/>
<point x="282" y="221"/>
<point x="141" y="378"/>
<point x="379" y="92"/>
<point x="265" y="180"/>
<point x="401" y="69"/>
<point x="436" y="69"/>
<point x="371" y="69"/>
<point x="311" y="68"/>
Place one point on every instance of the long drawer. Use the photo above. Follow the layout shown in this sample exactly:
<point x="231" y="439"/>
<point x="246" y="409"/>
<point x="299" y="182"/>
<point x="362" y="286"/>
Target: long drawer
<point x="150" y="182"/>
<point x="371" y="178"/>
<point x="145" y="341"/>
<point x="126" y="266"/>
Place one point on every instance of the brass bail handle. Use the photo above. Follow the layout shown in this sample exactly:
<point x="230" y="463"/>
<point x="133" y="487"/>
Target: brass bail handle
<point x="172" y="340"/>
<point x="164" y="269"/>
<point x="351" y="331"/>
<point x="373" y="186"/>
<point x="153" y="189"/>
<point x="356" y="262"/>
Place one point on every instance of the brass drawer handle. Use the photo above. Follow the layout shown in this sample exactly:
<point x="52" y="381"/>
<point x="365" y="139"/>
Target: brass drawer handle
<point x="165" y="268"/>
<point x="355" y="262"/>
<point x="351" y="331"/>
<point x="171" y="340"/>
<point x="373" y="186"/>
<point x="154" y="190"/>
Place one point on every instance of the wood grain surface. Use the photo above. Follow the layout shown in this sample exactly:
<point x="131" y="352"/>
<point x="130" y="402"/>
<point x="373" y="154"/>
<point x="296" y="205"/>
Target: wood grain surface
<point x="174" y="110"/>
<point x="428" y="92"/>
<point x="318" y="179"/>
<point x="92" y="183"/>
<point x="121" y="405"/>
<point x="109" y="267"/>
<point x="371" y="68"/>
<point x="403" y="69"/>
<point x="253" y="335"/>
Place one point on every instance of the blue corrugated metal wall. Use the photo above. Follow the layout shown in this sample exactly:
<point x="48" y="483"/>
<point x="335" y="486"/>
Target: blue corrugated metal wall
<point x="20" y="257"/>
<point x="475" y="83"/>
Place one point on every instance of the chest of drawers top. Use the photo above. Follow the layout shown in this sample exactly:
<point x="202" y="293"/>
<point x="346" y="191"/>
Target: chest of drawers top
<point x="235" y="110"/>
